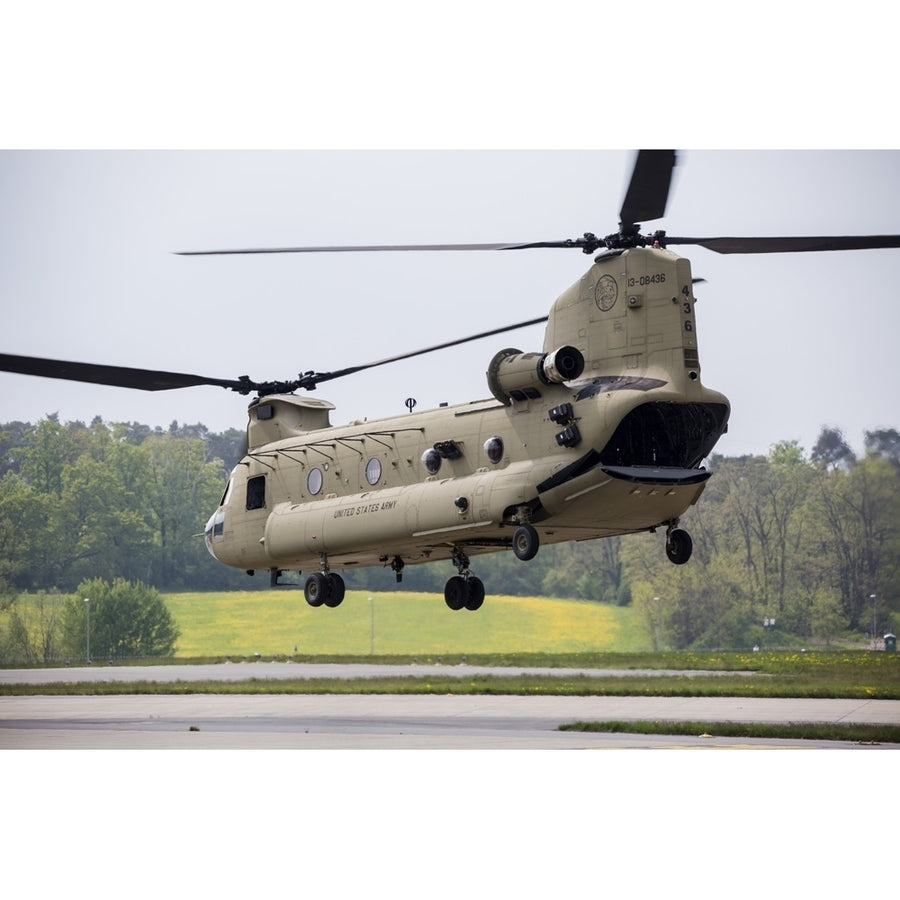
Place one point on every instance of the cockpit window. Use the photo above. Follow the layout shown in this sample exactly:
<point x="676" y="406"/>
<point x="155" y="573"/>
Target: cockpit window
<point x="256" y="492"/>
<point x="227" y="495"/>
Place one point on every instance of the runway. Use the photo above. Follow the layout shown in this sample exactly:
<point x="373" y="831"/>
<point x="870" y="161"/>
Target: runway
<point x="330" y="721"/>
<point x="390" y="721"/>
<point x="245" y="671"/>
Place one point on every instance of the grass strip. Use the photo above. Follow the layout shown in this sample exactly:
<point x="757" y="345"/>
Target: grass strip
<point x="817" y="731"/>
<point x="522" y="685"/>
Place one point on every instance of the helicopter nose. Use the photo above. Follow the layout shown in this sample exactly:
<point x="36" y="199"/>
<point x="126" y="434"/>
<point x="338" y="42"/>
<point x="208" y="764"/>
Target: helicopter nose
<point x="215" y="527"/>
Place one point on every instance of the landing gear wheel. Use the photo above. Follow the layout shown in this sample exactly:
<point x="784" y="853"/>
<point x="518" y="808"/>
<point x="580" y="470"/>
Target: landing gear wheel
<point x="316" y="589"/>
<point x="456" y="592"/>
<point x="679" y="546"/>
<point x="526" y="542"/>
<point x="474" y="593"/>
<point x="336" y="589"/>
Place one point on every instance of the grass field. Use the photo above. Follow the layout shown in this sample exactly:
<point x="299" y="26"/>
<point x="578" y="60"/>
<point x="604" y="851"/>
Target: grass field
<point x="281" y="623"/>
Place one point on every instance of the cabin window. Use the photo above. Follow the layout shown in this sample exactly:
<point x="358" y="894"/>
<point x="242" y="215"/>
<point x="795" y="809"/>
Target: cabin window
<point x="493" y="448"/>
<point x="314" y="481"/>
<point x="373" y="470"/>
<point x="256" y="492"/>
<point x="432" y="460"/>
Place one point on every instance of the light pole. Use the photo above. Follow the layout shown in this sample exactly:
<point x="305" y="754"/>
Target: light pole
<point x="372" y="627"/>
<point x="658" y="601"/>
<point x="874" y="600"/>
<point x="87" y="651"/>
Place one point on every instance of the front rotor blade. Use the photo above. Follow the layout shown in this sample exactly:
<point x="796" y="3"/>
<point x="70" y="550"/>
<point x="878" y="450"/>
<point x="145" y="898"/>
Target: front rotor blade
<point x="790" y="244"/>
<point x="115" y="376"/>
<point x="312" y="379"/>
<point x="648" y="190"/>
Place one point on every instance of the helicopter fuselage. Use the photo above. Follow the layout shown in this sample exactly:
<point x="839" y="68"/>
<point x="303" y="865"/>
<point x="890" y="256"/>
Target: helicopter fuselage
<point x="602" y="432"/>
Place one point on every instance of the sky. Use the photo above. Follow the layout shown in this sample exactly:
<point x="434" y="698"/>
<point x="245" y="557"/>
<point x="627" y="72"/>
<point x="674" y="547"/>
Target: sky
<point x="129" y="137"/>
<point x="88" y="273"/>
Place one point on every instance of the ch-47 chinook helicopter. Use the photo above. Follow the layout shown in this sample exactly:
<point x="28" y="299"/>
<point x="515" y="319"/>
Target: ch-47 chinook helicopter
<point x="601" y="432"/>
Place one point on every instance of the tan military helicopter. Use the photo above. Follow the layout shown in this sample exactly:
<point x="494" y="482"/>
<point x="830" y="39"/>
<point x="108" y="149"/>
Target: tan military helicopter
<point x="600" y="432"/>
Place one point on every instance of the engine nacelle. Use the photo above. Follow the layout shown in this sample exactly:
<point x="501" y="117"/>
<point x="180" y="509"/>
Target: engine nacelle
<point x="514" y="375"/>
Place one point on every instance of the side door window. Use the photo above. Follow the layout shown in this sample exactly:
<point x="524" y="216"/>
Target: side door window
<point x="256" y="492"/>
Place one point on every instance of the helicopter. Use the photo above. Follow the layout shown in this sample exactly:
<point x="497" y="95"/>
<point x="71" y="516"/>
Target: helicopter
<point x="601" y="432"/>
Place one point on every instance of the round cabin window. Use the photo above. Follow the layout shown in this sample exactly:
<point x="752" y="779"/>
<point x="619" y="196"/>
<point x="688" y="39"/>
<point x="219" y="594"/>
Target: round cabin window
<point x="493" y="448"/>
<point x="373" y="470"/>
<point x="314" y="481"/>
<point x="432" y="461"/>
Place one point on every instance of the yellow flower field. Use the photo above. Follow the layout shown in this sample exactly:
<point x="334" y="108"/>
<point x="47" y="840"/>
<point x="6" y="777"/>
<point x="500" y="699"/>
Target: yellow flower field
<point x="280" y="623"/>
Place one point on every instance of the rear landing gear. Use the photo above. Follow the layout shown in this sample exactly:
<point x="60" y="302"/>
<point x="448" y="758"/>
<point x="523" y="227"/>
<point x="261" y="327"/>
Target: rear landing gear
<point x="679" y="546"/>
<point x="464" y="590"/>
<point x="324" y="588"/>
<point x="526" y="542"/>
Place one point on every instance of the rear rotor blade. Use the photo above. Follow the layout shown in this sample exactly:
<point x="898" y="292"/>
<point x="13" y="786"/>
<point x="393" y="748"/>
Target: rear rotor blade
<point x="588" y="244"/>
<point x="790" y="244"/>
<point x="648" y="190"/>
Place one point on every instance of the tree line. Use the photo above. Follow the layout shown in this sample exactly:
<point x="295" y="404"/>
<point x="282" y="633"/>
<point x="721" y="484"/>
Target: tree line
<point x="807" y="541"/>
<point x="807" y="545"/>
<point x="102" y="620"/>
<point x="110" y="501"/>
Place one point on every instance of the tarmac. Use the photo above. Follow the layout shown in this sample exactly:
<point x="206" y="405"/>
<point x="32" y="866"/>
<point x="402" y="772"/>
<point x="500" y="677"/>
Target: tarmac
<point x="381" y="721"/>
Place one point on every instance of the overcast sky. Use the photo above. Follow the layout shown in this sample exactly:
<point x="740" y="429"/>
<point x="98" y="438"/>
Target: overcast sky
<point x="87" y="272"/>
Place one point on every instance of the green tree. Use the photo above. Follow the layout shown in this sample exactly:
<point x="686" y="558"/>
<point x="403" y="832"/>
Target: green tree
<point x="25" y="542"/>
<point x="49" y="447"/>
<point x="759" y="521"/>
<point x="12" y="438"/>
<point x="831" y="450"/>
<point x="703" y="604"/>
<point x="856" y="548"/>
<point x="181" y="490"/>
<point x="884" y="443"/>
<point x="100" y="532"/>
<point x="34" y="632"/>
<point x="826" y="619"/>
<point x="108" y="501"/>
<point x="591" y="570"/>
<point x="127" y="620"/>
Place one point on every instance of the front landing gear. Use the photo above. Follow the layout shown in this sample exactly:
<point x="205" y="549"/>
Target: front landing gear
<point x="324" y="587"/>
<point x="526" y="542"/>
<point x="464" y="590"/>
<point x="679" y="545"/>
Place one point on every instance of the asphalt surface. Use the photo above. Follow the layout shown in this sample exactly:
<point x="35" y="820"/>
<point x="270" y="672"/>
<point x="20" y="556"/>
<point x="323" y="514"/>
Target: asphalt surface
<point x="378" y="721"/>
<point x="246" y="671"/>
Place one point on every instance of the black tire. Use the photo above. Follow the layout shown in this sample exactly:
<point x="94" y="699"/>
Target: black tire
<point x="456" y="592"/>
<point x="679" y="546"/>
<point x="336" y="590"/>
<point x="526" y="542"/>
<point x="316" y="589"/>
<point x="474" y="593"/>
